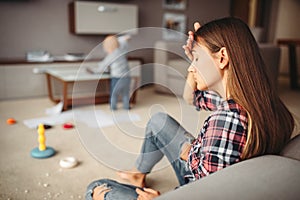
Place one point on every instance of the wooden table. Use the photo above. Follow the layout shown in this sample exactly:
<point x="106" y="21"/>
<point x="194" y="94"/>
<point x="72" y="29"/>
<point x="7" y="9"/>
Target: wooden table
<point x="292" y="44"/>
<point x="73" y="75"/>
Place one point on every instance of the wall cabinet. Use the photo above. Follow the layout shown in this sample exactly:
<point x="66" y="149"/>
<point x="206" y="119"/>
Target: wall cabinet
<point x="102" y="18"/>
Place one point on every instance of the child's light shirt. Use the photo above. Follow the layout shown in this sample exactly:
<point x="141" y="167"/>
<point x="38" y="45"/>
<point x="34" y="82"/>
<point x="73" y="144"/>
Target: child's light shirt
<point x="116" y="61"/>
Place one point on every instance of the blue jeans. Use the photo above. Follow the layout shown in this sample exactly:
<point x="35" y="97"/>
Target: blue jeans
<point x="119" y="87"/>
<point x="117" y="191"/>
<point x="164" y="136"/>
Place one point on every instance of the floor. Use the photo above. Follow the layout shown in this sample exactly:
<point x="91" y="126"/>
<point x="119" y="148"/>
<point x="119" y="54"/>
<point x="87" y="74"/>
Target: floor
<point x="100" y="151"/>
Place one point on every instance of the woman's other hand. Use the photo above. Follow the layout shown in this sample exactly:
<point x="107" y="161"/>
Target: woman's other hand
<point x="185" y="150"/>
<point x="100" y="191"/>
<point x="147" y="194"/>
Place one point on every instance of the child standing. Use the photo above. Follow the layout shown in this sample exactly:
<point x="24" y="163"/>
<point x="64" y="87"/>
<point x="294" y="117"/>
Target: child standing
<point x="116" y="60"/>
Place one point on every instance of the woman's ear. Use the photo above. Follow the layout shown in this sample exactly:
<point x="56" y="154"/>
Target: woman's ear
<point x="223" y="58"/>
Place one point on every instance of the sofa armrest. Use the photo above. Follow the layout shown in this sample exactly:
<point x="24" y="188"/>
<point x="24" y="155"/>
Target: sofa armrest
<point x="265" y="177"/>
<point x="292" y="149"/>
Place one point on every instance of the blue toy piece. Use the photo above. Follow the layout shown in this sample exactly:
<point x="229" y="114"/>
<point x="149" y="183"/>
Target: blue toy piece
<point x="48" y="152"/>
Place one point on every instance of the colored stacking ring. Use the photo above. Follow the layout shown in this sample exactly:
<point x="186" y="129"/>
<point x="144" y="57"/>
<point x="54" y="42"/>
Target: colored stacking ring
<point x="68" y="162"/>
<point x="48" y="152"/>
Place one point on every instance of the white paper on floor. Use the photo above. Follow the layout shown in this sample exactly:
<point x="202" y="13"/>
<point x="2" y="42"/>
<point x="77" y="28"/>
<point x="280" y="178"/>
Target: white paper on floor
<point x="50" y="120"/>
<point x="56" y="109"/>
<point x="98" y="118"/>
<point x="92" y="118"/>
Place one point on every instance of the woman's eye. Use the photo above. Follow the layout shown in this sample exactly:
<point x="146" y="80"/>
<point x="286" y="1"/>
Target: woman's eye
<point x="196" y="59"/>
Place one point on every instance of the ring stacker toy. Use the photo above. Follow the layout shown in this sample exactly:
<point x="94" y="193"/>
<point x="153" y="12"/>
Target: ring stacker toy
<point x="42" y="151"/>
<point x="68" y="162"/>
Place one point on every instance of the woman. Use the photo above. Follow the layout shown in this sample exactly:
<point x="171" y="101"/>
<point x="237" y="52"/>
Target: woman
<point x="227" y="76"/>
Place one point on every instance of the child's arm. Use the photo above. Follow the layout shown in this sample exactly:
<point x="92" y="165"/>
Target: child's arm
<point x="102" y="66"/>
<point x="123" y="40"/>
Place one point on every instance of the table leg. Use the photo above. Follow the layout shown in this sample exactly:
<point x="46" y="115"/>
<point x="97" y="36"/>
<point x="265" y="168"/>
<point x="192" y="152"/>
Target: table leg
<point x="133" y="97"/>
<point x="49" y="85"/>
<point x="65" y="95"/>
<point x="293" y="66"/>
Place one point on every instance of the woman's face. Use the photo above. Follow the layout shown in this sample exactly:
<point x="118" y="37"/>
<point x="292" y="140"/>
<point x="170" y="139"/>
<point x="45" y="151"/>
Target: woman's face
<point x="205" y="71"/>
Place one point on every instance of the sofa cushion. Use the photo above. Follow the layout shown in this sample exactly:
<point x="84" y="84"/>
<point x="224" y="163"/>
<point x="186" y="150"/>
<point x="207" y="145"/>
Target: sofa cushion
<point x="264" y="177"/>
<point x="292" y="149"/>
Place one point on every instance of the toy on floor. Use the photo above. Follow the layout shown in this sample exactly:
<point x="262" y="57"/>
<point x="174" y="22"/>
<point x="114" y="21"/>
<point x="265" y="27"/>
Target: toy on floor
<point x="11" y="121"/>
<point x="46" y="126"/>
<point x="42" y="151"/>
<point x="68" y="162"/>
<point x="68" y="126"/>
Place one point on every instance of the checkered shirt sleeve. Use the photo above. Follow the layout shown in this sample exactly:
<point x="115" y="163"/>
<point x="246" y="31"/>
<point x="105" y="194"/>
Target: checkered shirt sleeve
<point x="222" y="137"/>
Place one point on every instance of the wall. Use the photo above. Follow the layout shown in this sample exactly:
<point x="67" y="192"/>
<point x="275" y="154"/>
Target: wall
<point x="287" y="26"/>
<point x="39" y="25"/>
<point x="28" y="25"/>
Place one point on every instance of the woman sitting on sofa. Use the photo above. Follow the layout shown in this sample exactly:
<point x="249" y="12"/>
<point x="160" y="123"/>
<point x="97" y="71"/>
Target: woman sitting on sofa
<point x="227" y="76"/>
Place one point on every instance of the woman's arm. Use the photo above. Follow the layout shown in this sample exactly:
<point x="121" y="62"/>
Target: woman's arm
<point x="189" y="88"/>
<point x="190" y="85"/>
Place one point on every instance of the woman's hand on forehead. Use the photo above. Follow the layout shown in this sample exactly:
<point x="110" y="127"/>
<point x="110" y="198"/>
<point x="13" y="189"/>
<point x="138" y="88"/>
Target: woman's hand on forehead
<point x="189" y="43"/>
<point x="196" y="26"/>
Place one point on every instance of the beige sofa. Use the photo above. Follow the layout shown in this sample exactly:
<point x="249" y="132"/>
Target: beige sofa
<point x="269" y="177"/>
<point x="170" y="68"/>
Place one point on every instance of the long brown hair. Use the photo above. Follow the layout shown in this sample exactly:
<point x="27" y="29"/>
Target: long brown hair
<point x="270" y="124"/>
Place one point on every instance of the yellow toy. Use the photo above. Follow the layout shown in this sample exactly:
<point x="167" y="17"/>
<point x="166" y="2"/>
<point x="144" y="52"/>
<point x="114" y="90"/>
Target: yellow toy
<point x="42" y="151"/>
<point x="42" y="138"/>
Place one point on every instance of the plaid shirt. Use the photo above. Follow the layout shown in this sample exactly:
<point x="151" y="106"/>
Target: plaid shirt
<point x="222" y="137"/>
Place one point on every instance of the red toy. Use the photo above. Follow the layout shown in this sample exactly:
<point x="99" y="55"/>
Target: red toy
<point x="68" y="126"/>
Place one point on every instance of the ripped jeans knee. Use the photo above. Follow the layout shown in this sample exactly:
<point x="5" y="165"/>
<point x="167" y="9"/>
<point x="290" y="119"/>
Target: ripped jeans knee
<point x="111" y="190"/>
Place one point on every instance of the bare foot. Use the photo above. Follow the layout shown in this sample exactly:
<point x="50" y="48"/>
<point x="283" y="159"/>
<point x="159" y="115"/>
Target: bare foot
<point x="134" y="177"/>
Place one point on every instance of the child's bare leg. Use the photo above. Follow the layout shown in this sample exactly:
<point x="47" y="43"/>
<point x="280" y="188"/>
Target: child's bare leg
<point x="134" y="177"/>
